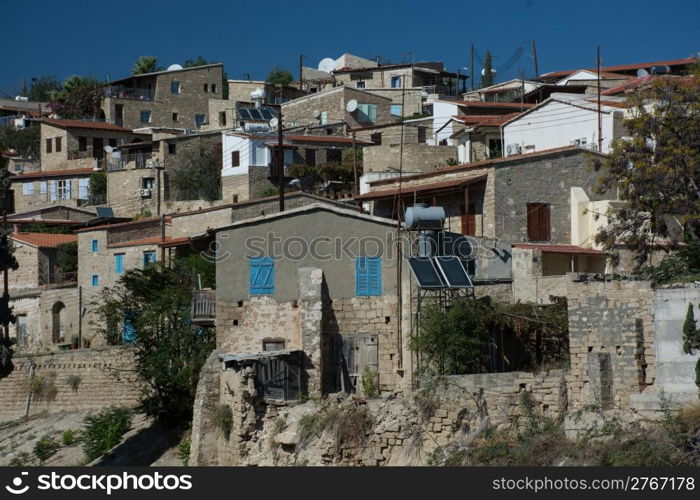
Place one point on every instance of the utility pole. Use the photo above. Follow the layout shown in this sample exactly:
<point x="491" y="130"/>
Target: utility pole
<point x="354" y="165"/>
<point x="534" y="54"/>
<point x="522" y="89"/>
<point x="600" y="124"/>
<point x="301" y="72"/>
<point x="471" y="66"/>
<point x="280" y="159"/>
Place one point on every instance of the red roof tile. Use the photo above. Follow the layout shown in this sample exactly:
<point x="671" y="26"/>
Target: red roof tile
<point x="409" y="190"/>
<point x="122" y="224"/>
<point x="483" y="104"/>
<point x="44" y="240"/>
<point x="568" y="249"/>
<point x="624" y="67"/>
<point x="486" y="120"/>
<point x="83" y="124"/>
<point x="53" y="173"/>
<point x="153" y="240"/>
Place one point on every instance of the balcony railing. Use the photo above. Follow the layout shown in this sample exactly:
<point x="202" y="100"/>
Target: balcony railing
<point x="445" y="90"/>
<point x="139" y="160"/>
<point x="122" y="92"/>
<point x="204" y="307"/>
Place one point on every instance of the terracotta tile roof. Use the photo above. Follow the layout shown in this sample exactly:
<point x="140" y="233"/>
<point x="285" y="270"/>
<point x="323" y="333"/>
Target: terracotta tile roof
<point x="568" y="249"/>
<point x="614" y="104"/>
<point x="638" y="83"/>
<point x="482" y="104"/>
<point x="324" y="138"/>
<point x="153" y="240"/>
<point x="123" y="224"/>
<point x="44" y="240"/>
<point x="83" y="124"/>
<point x="53" y="173"/>
<point x="409" y="190"/>
<point x="174" y="242"/>
<point x="486" y="120"/>
<point x="624" y="67"/>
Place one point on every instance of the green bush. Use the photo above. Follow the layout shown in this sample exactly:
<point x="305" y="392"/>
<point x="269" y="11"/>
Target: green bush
<point x="69" y="437"/>
<point x="23" y="459"/>
<point x="45" y="448"/>
<point x="691" y="337"/>
<point x="223" y="419"/>
<point x="105" y="430"/>
<point x="183" y="451"/>
<point x="73" y="382"/>
<point x="369" y="382"/>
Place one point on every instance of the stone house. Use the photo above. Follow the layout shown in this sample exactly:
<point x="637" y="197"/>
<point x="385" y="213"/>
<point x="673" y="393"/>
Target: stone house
<point x="57" y="215"/>
<point x="173" y="98"/>
<point x="329" y="109"/>
<point x="36" y="255"/>
<point x="71" y="144"/>
<point x="18" y="164"/>
<point x="479" y="137"/>
<point x="509" y="91"/>
<point x="45" y="189"/>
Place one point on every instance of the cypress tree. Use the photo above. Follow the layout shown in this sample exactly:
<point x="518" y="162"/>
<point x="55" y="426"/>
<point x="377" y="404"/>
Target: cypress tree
<point x="7" y="262"/>
<point x="487" y="72"/>
<point x="690" y="332"/>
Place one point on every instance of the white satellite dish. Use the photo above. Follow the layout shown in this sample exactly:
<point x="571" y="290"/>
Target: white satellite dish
<point x="641" y="73"/>
<point x="327" y="64"/>
<point x="108" y="149"/>
<point x="174" y="67"/>
<point x="273" y="123"/>
<point x="316" y="113"/>
<point x="483" y="71"/>
<point x="351" y="106"/>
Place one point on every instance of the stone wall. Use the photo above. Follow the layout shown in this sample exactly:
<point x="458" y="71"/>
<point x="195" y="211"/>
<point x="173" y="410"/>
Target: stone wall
<point x="104" y="381"/>
<point x="27" y="275"/>
<point x="416" y="157"/>
<point x="39" y="199"/>
<point x="124" y="191"/>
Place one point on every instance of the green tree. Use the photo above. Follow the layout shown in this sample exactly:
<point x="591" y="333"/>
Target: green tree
<point x="199" y="61"/>
<point x="67" y="257"/>
<point x="7" y="263"/>
<point x="656" y="169"/>
<point x="79" y="98"/>
<point x="691" y="336"/>
<point x="196" y="175"/>
<point x="151" y="307"/>
<point x="487" y="71"/>
<point x="44" y="88"/>
<point x="23" y="141"/>
<point x="145" y="64"/>
<point x="279" y="76"/>
<point x="98" y="183"/>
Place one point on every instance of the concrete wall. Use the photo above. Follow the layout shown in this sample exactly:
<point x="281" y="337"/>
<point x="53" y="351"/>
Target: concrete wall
<point x="105" y="380"/>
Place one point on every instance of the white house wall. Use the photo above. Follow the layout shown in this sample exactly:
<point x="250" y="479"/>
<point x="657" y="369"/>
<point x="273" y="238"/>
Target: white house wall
<point x="442" y="113"/>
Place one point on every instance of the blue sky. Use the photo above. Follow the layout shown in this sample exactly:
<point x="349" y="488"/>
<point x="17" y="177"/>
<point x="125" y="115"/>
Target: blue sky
<point x="101" y="38"/>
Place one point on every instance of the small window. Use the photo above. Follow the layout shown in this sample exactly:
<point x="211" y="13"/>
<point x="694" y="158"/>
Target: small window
<point x="262" y="276"/>
<point x="235" y="158"/>
<point x="310" y="156"/>
<point x="213" y="88"/>
<point x="368" y="276"/>
<point x="149" y="257"/>
<point x="95" y="246"/>
<point x="367" y="113"/>
<point x="63" y="190"/>
<point x="172" y="148"/>
<point x="58" y="144"/>
<point x="206" y="87"/>
<point x="145" y="116"/>
<point x="273" y="345"/>
<point x="22" y="330"/>
<point x="324" y="117"/>
<point x="119" y="263"/>
<point x="82" y="143"/>
<point x="199" y="120"/>
<point x="222" y="118"/>
<point x="27" y="188"/>
<point x="95" y="280"/>
<point x="113" y="143"/>
<point x="48" y="145"/>
<point x="396" y="110"/>
<point x="538" y="227"/>
<point x="176" y="117"/>
<point x="174" y="87"/>
<point x="395" y="82"/>
<point x="334" y="156"/>
<point x="376" y="138"/>
<point x="360" y="85"/>
<point x="148" y="183"/>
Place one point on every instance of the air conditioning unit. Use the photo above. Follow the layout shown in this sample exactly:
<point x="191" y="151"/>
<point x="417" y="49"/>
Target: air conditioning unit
<point x="513" y="149"/>
<point x="145" y="193"/>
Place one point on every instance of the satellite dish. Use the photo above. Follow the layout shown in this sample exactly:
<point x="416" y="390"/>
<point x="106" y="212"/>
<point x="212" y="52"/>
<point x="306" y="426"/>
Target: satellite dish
<point x="483" y="71"/>
<point x="641" y="73"/>
<point x="274" y="123"/>
<point x="174" y="67"/>
<point x="316" y="113"/>
<point x="109" y="149"/>
<point x="351" y="106"/>
<point x="327" y="65"/>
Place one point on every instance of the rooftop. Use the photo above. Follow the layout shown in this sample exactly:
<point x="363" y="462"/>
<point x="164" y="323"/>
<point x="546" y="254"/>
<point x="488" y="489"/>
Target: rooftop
<point x="156" y="73"/>
<point x="83" y="124"/>
<point x="44" y="240"/>
<point x="567" y="249"/>
<point x="623" y="67"/>
<point x="53" y="173"/>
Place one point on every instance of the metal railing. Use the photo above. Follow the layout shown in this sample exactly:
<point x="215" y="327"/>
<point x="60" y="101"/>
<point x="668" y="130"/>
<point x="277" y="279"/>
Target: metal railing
<point x="203" y="306"/>
<point x="88" y="199"/>
<point x="122" y="92"/>
<point x="139" y="160"/>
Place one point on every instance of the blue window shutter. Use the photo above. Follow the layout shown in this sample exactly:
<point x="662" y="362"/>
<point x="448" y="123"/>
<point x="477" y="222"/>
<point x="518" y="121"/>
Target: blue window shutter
<point x="95" y="246"/>
<point x="95" y="280"/>
<point x="129" y="331"/>
<point x="262" y="276"/>
<point x="119" y="263"/>
<point x="368" y="276"/>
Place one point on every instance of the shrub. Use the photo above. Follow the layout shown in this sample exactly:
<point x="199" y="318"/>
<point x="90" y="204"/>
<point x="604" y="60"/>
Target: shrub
<point x="45" y="448"/>
<point x="223" y="419"/>
<point x="369" y="382"/>
<point x="23" y="459"/>
<point x="41" y="387"/>
<point x="697" y="373"/>
<point x="68" y="437"/>
<point x="348" y="424"/>
<point x="73" y="382"/>
<point x="183" y="451"/>
<point x="690" y="332"/>
<point x="105" y="430"/>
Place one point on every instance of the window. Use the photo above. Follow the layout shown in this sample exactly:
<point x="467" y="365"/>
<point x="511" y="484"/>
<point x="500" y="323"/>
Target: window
<point x="148" y="182"/>
<point x="113" y="143"/>
<point x="395" y="82"/>
<point x="98" y="147"/>
<point x="95" y="246"/>
<point x="174" y="87"/>
<point x="262" y="276"/>
<point x="368" y="276"/>
<point x="334" y="156"/>
<point x="48" y="145"/>
<point x="495" y="149"/>
<point x="310" y="156"/>
<point x="396" y="110"/>
<point x="95" y="280"/>
<point x="63" y="190"/>
<point x="376" y="138"/>
<point x="119" y="263"/>
<point x="324" y="117"/>
<point x="360" y="85"/>
<point x="367" y="113"/>
<point x="22" y="330"/>
<point x="172" y="148"/>
<point x="206" y="87"/>
<point x="213" y="88"/>
<point x="273" y="345"/>
<point x="43" y="187"/>
<point x="58" y="144"/>
<point x="538" y="228"/>
<point x="145" y="116"/>
<point x="149" y="257"/>
<point x="82" y="143"/>
<point x="83" y="188"/>
<point x="199" y="120"/>
<point x="235" y="158"/>
<point x="27" y="188"/>
<point x="222" y="118"/>
<point x="175" y="117"/>
<point x="422" y="135"/>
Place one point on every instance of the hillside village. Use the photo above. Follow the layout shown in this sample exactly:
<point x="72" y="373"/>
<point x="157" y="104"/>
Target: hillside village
<point x="323" y="228"/>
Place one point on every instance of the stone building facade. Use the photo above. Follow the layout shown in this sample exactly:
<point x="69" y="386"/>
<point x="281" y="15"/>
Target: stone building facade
<point x="176" y="98"/>
<point x="45" y="189"/>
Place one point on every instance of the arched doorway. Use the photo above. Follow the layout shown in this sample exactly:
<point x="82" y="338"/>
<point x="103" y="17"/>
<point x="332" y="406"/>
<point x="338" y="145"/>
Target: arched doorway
<point x="58" y="323"/>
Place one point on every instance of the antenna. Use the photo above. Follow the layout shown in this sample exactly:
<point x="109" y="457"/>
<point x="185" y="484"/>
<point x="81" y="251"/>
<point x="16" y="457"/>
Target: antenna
<point x="351" y="106"/>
